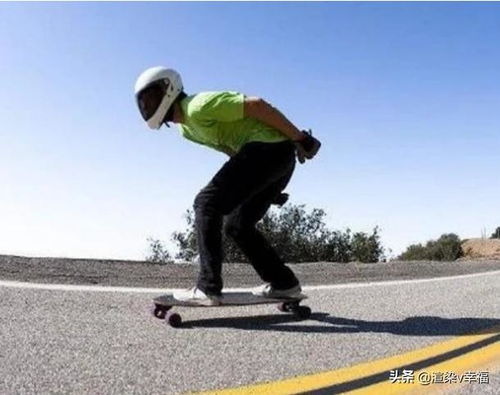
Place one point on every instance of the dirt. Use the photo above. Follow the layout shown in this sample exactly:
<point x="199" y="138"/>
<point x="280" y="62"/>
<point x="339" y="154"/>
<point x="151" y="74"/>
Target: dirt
<point x="482" y="248"/>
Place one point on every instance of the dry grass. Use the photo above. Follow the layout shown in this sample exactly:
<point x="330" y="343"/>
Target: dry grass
<point x="482" y="248"/>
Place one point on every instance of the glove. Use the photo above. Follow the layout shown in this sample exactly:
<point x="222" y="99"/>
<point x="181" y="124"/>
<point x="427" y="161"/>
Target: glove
<point x="307" y="147"/>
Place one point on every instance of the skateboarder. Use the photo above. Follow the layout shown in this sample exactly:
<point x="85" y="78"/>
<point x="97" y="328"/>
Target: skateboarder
<point x="262" y="145"/>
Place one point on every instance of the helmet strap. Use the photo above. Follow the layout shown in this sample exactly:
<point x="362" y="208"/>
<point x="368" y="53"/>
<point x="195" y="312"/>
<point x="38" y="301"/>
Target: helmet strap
<point x="169" y="115"/>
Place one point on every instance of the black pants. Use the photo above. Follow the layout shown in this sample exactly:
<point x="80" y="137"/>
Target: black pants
<point x="243" y="190"/>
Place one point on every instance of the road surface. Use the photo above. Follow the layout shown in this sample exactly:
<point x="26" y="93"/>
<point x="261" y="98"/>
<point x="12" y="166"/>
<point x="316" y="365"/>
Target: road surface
<point x="104" y="341"/>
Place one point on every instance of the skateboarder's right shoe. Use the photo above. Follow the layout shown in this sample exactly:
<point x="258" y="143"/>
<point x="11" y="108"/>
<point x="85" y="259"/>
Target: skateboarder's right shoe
<point x="268" y="291"/>
<point x="196" y="296"/>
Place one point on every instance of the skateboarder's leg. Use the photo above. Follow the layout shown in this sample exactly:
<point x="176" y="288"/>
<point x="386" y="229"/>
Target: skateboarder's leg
<point x="240" y="226"/>
<point x="250" y="171"/>
<point x="209" y="208"/>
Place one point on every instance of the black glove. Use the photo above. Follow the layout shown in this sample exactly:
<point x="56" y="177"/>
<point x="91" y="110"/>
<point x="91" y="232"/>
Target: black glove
<point x="307" y="147"/>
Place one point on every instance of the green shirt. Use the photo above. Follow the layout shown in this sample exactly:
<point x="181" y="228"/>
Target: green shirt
<point x="216" y="119"/>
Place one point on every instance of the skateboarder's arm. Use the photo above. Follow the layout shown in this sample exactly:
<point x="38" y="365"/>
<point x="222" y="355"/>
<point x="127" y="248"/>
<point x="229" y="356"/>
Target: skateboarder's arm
<point x="258" y="108"/>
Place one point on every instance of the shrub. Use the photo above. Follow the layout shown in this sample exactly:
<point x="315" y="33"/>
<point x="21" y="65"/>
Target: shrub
<point x="186" y="241"/>
<point x="447" y="248"/>
<point x="297" y="235"/>
<point x="496" y="234"/>
<point x="158" y="253"/>
<point x="366" y="248"/>
<point x="415" y="252"/>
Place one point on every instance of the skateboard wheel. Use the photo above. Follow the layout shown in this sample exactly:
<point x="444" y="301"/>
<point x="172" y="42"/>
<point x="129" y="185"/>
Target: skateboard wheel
<point x="159" y="312"/>
<point x="288" y="307"/>
<point x="302" y="312"/>
<point x="174" y="319"/>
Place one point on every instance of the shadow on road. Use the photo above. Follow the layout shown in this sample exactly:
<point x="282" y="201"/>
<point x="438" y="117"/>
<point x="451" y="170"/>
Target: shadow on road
<point x="411" y="326"/>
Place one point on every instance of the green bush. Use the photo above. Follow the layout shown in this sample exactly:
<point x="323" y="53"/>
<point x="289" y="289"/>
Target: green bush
<point x="186" y="241"/>
<point x="447" y="248"/>
<point x="366" y="248"/>
<point x="297" y="235"/>
<point x="496" y="234"/>
<point x="158" y="254"/>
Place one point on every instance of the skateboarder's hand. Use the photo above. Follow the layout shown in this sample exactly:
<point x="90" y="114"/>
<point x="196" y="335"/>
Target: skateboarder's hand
<point x="307" y="147"/>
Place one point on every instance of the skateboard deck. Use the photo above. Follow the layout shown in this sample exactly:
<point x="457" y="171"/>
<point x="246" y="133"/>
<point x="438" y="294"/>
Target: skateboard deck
<point x="228" y="299"/>
<point x="164" y="303"/>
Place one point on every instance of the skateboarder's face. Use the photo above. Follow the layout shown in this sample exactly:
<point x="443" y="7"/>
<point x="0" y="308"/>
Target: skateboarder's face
<point x="177" y="115"/>
<point x="149" y="100"/>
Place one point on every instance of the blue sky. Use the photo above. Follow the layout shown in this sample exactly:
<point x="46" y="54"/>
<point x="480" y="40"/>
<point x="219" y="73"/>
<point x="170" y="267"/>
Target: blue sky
<point x="404" y="96"/>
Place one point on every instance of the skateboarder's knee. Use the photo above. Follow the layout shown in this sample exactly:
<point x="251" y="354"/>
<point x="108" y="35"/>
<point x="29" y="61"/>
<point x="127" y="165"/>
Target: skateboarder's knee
<point x="209" y="202"/>
<point x="204" y="202"/>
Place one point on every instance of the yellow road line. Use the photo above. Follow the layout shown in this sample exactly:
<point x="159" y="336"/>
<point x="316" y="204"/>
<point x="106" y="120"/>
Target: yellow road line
<point x="318" y="381"/>
<point x="484" y="359"/>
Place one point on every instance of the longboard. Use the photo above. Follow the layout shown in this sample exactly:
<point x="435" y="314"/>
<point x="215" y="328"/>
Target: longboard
<point x="164" y="303"/>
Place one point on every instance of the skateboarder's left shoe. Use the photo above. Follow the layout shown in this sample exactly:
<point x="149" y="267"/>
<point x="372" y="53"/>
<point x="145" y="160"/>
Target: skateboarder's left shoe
<point x="268" y="291"/>
<point x="197" y="296"/>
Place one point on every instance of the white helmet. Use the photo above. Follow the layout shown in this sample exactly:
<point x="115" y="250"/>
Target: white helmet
<point x="155" y="91"/>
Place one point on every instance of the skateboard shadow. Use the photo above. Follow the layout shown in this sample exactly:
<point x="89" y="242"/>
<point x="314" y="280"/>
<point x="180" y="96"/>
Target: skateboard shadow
<point x="410" y="326"/>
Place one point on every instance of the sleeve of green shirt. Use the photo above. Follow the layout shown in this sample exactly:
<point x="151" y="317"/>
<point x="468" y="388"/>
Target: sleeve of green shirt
<point x="222" y="107"/>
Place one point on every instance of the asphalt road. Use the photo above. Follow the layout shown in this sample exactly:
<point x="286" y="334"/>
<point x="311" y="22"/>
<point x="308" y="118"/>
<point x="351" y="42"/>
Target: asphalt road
<point x="60" y="341"/>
